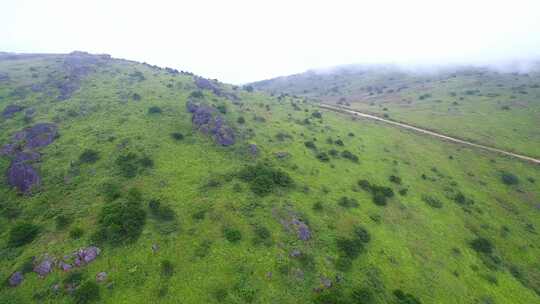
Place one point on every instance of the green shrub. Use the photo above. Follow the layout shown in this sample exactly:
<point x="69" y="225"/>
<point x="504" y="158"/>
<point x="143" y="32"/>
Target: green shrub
<point x="310" y="145"/>
<point x="509" y="178"/>
<point x="177" y="136"/>
<point x="348" y="155"/>
<point x="62" y="221"/>
<point x="264" y="179"/>
<point x="160" y="211"/>
<point x="339" y="142"/>
<point x="432" y="201"/>
<point x="76" y="233"/>
<point x="405" y="298"/>
<point x="482" y="245"/>
<point x="316" y="114"/>
<point x="318" y="206"/>
<point x="88" y="292"/>
<point x="131" y="164"/>
<point x="395" y="179"/>
<point x="22" y="234"/>
<point x="222" y="108"/>
<point x="364" y="184"/>
<point x="403" y="191"/>
<point x="167" y="268"/>
<point x="348" y="202"/>
<point x="262" y="235"/>
<point x="379" y="198"/>
<point x="350" y="248"/>
<point x="74" y="278"/>
<point x="196" y="94"/>
<point x="333" y="152"/>
<point x="154" y="110"/>
<point x="241" y="120"/>
<point x="89" y="156"/>
<point x="232" y="235"/>
<point x="121" y="221"/>
<point x="322" y="156"/>
<point x="362" y="296"/>
<point x="111" y="191"/>
<point x="362" y="234"/>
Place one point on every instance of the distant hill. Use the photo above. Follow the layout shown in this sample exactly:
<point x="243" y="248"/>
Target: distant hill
<point x="493" y="106"/>
<point x="125" y="182"/>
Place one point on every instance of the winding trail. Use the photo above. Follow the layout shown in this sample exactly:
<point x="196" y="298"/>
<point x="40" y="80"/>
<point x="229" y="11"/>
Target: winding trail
<point x="350" y="111"/>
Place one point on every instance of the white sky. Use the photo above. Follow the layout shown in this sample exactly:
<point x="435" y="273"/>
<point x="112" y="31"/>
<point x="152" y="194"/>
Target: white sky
<point x="240" y="41"/>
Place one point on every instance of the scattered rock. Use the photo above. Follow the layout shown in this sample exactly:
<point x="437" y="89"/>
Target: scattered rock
<point x="86" y="255"/>
<point x="326" y="282"/>
<point x="23" y="176"/>
<point x="206" y="84"/>
<point x="206" y="120"/>
<point x="302" y="230"/>
<point x="44" y="267"/>
<point x="16" y="279"/>
<point x="37" y="136"/>
<point x="10" y="110"/>
<point x="253" y="149"/>
<point x="65" y="266"/>
<point x="282" y="154"/>
<point x="4" y="76"/>
<point x="101" y="277"/>
<point x="295" y="253"/>
<point x="155" y="248"/>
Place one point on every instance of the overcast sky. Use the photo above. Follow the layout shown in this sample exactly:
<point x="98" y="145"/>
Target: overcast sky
<point x="242" y="41"/>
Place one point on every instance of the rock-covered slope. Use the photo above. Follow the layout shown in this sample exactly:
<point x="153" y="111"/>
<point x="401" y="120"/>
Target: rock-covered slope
<point x="130" y="183"/>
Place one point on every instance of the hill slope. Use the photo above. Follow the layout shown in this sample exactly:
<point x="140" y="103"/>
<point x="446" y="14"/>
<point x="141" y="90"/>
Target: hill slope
<point x="491" y="107"/>
<point x="129" y="183"/>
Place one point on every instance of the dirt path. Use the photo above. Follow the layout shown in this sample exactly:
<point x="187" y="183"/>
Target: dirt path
<point x="345" y="110"/>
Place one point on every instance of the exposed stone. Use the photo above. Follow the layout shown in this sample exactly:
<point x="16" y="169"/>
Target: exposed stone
<point x="23" y="176"/>
<point x="86" y="255"/>
<point x="10" y="110"/>
<point x="16" y="279"/>
<point x="302" y="230"/>
<point x="37" y="136"/>
<point x="65" y="266"/>
<point x="155" y="248"/>
<point x="326" y="282"/>
<point x="253" y="149"/>
<point x="295" y="253"/>
<point x="101" y="277"/>
<point x="206" y="120"/>
<point x="223" y="134"/>
<point x="44" y="267"/>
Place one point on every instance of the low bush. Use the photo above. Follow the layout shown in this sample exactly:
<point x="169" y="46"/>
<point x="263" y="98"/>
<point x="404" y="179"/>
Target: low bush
<point x="482" y="245"/>
<point x="362" y="296"/>
<point x="339" y="142"/>
<point x="177" y="136"/>
<point x="222" y="108"/>
<point x="232" y="235"/>
<point x="318" y="206"/>
<point x="310" y="145"/>
<point x="121" y="221"/>
<point x="22" y="234"/>
<point x="62" y="221"/>
<point x="403" y="191"/>
<point x="167" y="268"/>
<point x="395" y="179"/>
<point x="76" y="233"/>
<point x="405" y="298"/>
<point x="432" y="201"/>
<point x="262" y="235"/>
<point x="154" y="110"/>
<point x="316" y="114"/>
<point x="131" y="164"/>
<point x="348" y="155"/>
<point x="161" y="211"/>
<point x="323" y="156"/>
<point x="348" y="202"/>
<point x="73" y="278"/>
<point x="509" y="178"/>
<point x="111" y="191"/>
<point x="264" y="179"/>
<point x="88" y="292"/>
<point x="241" y="120"/>
<point x="196" y="94"/>
<point x="89" y="156"/>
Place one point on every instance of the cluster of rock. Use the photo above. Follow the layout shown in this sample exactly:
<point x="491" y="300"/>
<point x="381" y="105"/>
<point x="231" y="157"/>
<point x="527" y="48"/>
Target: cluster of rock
<point x="46" y="264"/>
<point x="76" y="66"/>
<point x="206" y="84"/>
<point x="293" y="223"/>
<point x="23" y="152"/>
<point x="208" y="121"/>
<point x="10" y="110"/>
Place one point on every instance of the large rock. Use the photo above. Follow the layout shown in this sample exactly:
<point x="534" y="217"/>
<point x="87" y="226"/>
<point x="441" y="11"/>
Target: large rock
<point x="206" y="120"/>
<point x="86" y="255"/>
<point x="16" y="279"/>
<point x="37" y="136"/>
<point x="10" y="110"/>
<point x="44" y="267"/>
<point x="23" y="176"/>
<point x="302" y="230"/>
<point x="223" y="134"/>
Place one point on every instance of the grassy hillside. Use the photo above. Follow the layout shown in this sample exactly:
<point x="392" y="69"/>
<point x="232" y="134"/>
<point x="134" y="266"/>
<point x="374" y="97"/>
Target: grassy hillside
<point x="199" y="192"/>
<point x="499" y="109"/>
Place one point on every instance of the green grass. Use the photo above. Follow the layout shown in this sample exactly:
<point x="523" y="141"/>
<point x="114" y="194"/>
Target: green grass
<point x="413" y="247"/>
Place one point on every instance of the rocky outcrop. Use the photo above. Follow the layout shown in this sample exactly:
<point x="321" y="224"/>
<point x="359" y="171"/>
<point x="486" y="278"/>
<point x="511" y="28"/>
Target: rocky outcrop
<point x="16" y="279"/>
<point x="206" y="84"/>
<point x="208" y="121"/>
<point x="10" y="110"/>
<point x="44" y="267"/>
<point x="21" y="174"/>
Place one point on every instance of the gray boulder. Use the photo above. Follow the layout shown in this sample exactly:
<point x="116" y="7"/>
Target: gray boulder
<point x="10" y="110"/>
<point x="16" y="279"/>
<point x="23" y="176"/>
<point x="44" y="267"/>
